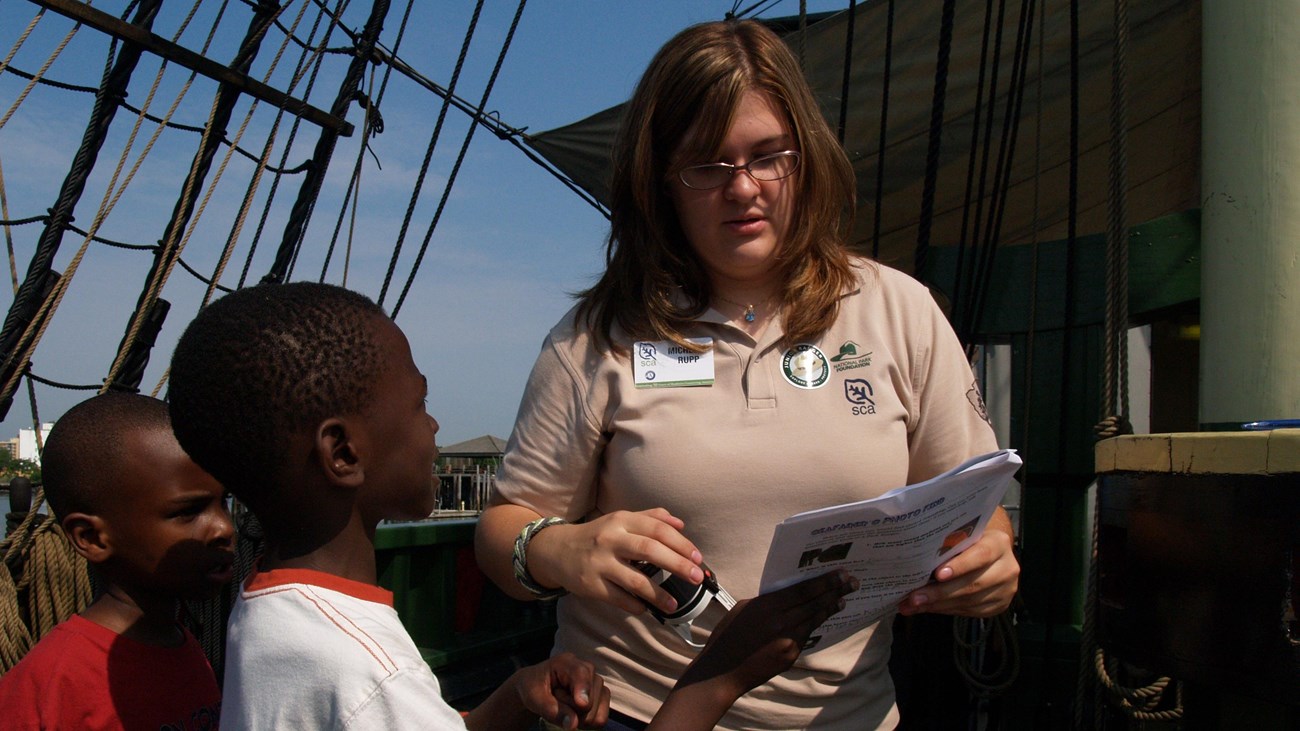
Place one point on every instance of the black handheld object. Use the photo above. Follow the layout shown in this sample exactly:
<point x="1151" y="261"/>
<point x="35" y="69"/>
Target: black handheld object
<point x="692" y="599"/>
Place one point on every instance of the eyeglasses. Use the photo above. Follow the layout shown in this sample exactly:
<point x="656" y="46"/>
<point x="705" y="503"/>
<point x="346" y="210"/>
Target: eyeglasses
<point x="716" y="174"/>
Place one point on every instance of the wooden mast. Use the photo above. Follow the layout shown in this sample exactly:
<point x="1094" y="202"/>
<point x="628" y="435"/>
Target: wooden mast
<point x="1250" y="217"/>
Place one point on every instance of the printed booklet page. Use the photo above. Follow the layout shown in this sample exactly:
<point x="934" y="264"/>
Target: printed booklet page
<point x="891" y="543"/>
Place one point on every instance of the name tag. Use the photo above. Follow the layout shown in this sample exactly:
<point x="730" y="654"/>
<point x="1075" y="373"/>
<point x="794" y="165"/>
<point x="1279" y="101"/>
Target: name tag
<point x="665" y="364"/>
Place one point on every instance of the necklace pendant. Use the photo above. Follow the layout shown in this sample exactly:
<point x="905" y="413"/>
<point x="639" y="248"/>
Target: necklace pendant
<point x="749" y="313"/>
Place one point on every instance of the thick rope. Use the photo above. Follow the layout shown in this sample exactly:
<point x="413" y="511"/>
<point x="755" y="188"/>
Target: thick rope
<point x="43" y="582"/>
<point x="15" y="636"/>
<point x="247" y="202"/>
<point x="19" y="344"/>
<point x="1115" y="385"/>
<point x="1142" y="703"/>
<point x="373" y="124"/>
<point x="884" y="125"/>
<point x="111" y="197"/>
<point x="1139" y="703"/>
<point x="9" y="236"/>
<point x="803" y="29"/>
<point x="460" y="158"/>
<point x="22" y="38"/>
<point x="31" y="84"/>
<point x="300" y="213"/>
<point x="926" y="223"/>
<point x="58" y="582"/>
<point x="428" y="151"/>
<point x="54" y="578"/>
<point x="175" y="241"/>
<point x="300" y="69"/>
<point x="364" y="46"/>
<point x="848" y="70"/>
<point x="1002" y="174"/>
<point x="973" y="200"/>
<point x="244" y="207"/>
<point x="293" y="135"/>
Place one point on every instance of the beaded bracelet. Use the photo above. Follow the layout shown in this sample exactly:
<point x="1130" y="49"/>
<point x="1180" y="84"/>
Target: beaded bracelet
<point x="520" y="559"/>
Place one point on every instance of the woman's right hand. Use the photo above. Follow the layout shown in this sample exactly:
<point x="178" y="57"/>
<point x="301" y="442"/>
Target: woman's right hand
<point x="594" y="559"/>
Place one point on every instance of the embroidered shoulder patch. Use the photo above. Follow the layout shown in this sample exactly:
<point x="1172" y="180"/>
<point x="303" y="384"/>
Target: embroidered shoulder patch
<point x="976" y="400"/>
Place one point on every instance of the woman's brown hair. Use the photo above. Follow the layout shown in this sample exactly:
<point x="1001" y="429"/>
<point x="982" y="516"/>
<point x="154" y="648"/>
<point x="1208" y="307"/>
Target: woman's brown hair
<point x="681" y="110"/>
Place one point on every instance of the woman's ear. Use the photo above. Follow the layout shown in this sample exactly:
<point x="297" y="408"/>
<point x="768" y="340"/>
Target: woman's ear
<point x="337" y="452"/>
<point x="89" y="536"/>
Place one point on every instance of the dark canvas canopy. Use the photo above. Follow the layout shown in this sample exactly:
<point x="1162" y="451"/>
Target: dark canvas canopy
<point x="1163" y="119"/>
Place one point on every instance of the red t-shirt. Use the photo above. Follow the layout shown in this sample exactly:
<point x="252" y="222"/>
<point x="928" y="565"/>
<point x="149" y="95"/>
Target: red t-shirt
<point x="83" y="676"/>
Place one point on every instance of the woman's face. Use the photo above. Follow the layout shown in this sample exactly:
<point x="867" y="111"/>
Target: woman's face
<point x="736" y="230"/>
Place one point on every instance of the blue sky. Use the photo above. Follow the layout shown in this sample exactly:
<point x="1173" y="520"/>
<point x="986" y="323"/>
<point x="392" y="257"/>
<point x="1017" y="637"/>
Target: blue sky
<point x="511" y="244"/>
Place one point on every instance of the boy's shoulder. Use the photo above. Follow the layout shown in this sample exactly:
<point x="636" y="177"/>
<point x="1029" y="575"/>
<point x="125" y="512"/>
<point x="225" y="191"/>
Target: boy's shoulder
<point x="79" y="651"/>
<point x="69" y="662"/>
<point x="372" y="674"/>
<point x="68" y="646"/>
<point x="303" y="611"/>
<point x="73" y="678"/>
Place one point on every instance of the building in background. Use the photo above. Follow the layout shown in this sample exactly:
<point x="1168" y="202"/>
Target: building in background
<point x="466" y="471"/>
<point x="27" y="447"/>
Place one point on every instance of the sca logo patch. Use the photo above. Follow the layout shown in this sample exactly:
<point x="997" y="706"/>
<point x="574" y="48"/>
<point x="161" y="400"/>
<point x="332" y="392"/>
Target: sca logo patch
<point x="858" y="392"/>
<point x="805" y="366"/>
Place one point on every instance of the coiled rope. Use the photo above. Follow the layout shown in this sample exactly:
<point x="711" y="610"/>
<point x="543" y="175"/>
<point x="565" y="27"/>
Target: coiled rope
<point x="975" y="641"/>
<point x="52" y="583"/>
<point x="1140" y="703"/>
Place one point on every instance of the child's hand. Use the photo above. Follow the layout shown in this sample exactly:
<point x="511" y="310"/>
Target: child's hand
<point x="565" y="691"/>
<point x="763" y="636"/>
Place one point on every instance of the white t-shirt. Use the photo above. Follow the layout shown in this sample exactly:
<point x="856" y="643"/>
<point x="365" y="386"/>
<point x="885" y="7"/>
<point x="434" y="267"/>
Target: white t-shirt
<point x="310" y="650"/>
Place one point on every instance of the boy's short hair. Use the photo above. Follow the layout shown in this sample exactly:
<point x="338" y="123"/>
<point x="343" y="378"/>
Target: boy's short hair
<point x="266" y="362"/>
<point x="84" y="450"/>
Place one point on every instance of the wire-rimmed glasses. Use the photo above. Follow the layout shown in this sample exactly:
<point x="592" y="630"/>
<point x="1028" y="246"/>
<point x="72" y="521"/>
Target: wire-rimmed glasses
<point x="716" y="174"/>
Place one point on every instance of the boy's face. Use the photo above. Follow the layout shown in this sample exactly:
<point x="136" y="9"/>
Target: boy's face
<point x="400" y="436"/>
<point x="168" y="526"/>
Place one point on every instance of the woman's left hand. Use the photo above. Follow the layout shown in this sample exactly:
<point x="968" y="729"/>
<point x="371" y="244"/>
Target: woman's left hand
<point x="978" y="582"/>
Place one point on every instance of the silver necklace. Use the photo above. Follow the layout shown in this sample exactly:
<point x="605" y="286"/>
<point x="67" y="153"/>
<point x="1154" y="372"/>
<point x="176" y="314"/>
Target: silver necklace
<point x="749" y="314"/>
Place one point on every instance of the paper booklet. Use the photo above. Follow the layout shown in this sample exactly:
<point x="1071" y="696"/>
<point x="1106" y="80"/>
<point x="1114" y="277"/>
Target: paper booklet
<point x="891" y="543"/>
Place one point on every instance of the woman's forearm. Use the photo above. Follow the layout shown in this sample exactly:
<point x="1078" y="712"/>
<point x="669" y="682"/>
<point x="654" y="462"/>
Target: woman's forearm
<point x="494" y="543"/>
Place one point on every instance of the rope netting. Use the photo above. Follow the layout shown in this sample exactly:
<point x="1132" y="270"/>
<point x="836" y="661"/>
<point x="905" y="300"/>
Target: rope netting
<point x="44" y="581"/>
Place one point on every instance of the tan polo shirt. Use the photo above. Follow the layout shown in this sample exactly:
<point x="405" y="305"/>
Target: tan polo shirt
<point x="884" y="398"/>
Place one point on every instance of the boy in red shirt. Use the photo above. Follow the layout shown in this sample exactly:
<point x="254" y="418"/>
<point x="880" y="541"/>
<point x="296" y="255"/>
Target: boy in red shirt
<point x="155" y="528"/>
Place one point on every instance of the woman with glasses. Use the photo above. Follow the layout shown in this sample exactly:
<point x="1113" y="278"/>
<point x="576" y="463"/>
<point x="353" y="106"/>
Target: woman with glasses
<point x="734" y="365"/>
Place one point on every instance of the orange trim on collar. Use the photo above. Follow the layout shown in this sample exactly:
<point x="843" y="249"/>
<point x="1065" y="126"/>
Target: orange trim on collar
<point x="262" y="580"/>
